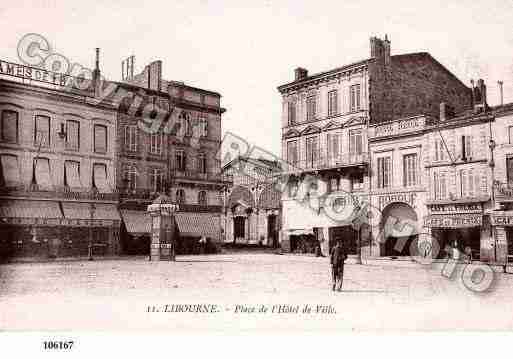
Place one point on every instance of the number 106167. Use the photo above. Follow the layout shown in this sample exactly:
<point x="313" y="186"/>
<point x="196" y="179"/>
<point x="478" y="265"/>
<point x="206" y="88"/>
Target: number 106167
<point x="58" y="345"/>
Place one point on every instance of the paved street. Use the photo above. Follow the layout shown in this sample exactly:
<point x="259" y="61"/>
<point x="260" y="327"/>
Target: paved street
<point x="115" y="294"/>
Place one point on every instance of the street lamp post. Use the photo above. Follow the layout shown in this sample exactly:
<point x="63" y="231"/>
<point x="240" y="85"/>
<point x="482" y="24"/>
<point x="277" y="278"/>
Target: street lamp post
<point x="90" y="246"/>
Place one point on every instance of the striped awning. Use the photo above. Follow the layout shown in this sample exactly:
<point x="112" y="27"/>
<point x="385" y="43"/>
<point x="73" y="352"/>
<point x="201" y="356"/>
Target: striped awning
<point x="198" y="224"/>
<point x="136" y="222"/>
<point x="80" y="210"/>
<point x="29" y="209"/>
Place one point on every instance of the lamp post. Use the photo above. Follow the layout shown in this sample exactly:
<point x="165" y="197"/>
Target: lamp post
<point x="90" y="246"/>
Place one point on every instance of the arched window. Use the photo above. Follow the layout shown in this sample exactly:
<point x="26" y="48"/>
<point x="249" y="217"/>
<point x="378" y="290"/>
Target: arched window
<point x="202" y="198"/>
<point x="180" y="196"/>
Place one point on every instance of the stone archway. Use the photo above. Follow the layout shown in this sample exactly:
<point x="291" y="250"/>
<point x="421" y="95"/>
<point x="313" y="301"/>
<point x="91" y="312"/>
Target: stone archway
<point x="399" y="230"/>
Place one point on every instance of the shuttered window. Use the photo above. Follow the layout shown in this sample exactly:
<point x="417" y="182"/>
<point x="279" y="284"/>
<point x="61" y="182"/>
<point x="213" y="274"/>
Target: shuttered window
<point x="384" y="172"/>
<point x="72" y="174"/>
<point x="72" y="135"/>
<point x="100" y="178"/>
<point x="42" y="174"/>
<point x="42" y="131"/>
<point x="10" y="170"/>
<point x="100" y="139"/>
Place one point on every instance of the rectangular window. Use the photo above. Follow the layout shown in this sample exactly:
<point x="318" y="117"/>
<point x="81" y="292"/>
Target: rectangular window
<point x="410" y="170"/>
<point x="440" y="150"/>
<point x="509" y="170"/>
<point x="156" y="180"/>
<point x="312" y="151"/>
<point x="355" y="99"/>
<point x="131" y="177"/>
<point x="384" y="172"/>
<point x="310" y="108"/>
<point x="470" y="182"/>
<point x="332" y="103"/>
<point x="510" y="133"/>
<point x="334" y="184"/>
<point x="355" y="142"/>
<point x="131" y="138"/>
<point x="291" y="113"/>
<point x="42" y="131"/>
<point x="333" y="145"/>
<point x="357" y="182"/>
<point x="10" y="170"/>
<point x="156" y="143"/>
<point x="100" y="138"/>
<point x="202" y="163"/>
<point x="72" y="135"/>
<point x="203" y="127"/>
<point x="440" y="185"/>
<point x="180" y="160"/>
<point x="466" y="147"/>
<point x="9" y="126"/>
<point x="292" y="152"/>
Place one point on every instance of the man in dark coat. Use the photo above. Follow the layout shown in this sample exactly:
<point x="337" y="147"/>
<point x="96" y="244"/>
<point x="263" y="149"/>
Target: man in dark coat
<point x="337" y="257"/>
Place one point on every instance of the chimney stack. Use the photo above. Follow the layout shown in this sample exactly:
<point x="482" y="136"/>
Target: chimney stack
<point x="300" y="73"/>
<point x="380" y="49"/>
<point x="479" y="96"/>
<point x="96" y="73"/>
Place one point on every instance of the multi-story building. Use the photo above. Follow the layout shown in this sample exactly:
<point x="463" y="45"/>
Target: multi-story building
<point x="252" y="206"/>
<point x="57" y="151"/>
<point x="324" y="134"/>
<point x="177" y="156"/>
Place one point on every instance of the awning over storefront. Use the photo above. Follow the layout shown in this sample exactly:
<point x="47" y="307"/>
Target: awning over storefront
<point x="136" y="222"/>
<point x="30" y="209"/>
<point x="80" y="210"/>
<point x="463" y="220"/>
<point x="300" y="232"/>
<point x="198" y="224"/>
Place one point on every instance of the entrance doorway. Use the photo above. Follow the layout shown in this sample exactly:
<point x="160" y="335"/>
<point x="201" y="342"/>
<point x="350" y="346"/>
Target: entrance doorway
<point x="272" y="233"/>
<point x="399" y="227"/>
<point x="239" y="228"/>
<point x="462" y="238"/>
<point x="348" y="235"/>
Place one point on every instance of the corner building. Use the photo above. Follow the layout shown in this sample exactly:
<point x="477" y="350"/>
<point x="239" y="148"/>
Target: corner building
<point x="325" y="120"/>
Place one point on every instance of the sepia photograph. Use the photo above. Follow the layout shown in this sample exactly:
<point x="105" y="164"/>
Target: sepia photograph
<point x="255" y="167"/>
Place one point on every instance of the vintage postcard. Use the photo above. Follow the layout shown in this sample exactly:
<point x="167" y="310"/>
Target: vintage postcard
<point x="234" y="166"/>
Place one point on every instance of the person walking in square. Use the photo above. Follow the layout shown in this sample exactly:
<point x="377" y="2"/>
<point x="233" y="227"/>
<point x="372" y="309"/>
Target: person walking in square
<point x="337" y="257"/>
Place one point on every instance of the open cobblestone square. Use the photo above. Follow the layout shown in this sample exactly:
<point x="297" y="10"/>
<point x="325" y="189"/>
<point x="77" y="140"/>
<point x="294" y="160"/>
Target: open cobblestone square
<point x="116" y="294"/>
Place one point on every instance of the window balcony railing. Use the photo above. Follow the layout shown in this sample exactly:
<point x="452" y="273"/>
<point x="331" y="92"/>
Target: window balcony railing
<point x="325" y="163"/>
<point x="206" y="176"/>
<point x="58" y="192"/>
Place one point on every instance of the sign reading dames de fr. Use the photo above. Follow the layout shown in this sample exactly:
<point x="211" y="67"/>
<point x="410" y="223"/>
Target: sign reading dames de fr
<point x="47" y="77"/>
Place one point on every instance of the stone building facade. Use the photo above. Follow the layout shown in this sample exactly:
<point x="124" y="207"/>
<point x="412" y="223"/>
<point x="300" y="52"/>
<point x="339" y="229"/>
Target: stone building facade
<point x="252" y="206"/>
<point x="168" y="137"/>
<point x="325" y="120"/>
<point x="57" y="151"/>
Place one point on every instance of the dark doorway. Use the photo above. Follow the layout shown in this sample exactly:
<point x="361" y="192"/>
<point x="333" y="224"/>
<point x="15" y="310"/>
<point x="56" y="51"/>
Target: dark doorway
<point x="239" y="224"/>
<point x="272" y="233"/>
<point x="348" y="235"/>
<point x="461" y="237"/>
<point x="400" y="246"/>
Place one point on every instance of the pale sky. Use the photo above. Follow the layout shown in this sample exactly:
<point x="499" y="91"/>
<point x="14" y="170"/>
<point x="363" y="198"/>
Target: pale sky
<point x="244" y="50"/>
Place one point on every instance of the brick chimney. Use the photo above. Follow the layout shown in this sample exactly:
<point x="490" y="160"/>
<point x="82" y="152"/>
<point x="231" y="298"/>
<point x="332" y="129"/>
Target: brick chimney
<point x="479" y="96"/>
<point x="380" y="49"/>
<point x="96" y="73"/>
<point x="300" y="73"/>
